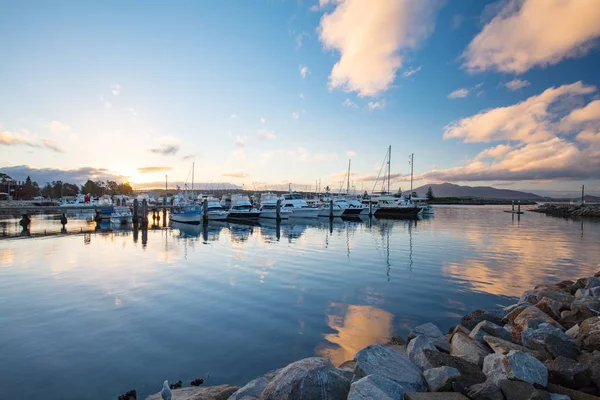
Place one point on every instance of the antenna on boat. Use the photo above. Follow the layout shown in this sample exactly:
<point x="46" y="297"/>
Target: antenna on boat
<point x="389" y="166"/>
<point x="412" y="157"/>
<point x="193" y="168"/>
<point x="348" y="182"/>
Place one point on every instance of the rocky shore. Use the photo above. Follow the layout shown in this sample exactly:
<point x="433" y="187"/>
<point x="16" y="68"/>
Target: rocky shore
<point x="569" y="210"/>
<point x="545" y="347"/>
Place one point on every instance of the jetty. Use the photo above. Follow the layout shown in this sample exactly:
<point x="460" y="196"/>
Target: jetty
<point x="569" y="210"/>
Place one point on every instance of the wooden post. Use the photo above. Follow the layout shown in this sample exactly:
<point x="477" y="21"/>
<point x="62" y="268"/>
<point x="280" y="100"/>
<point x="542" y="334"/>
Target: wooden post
<point x="519" y="207"/>
<point x="205" y="212"/>
<point x="144" y="212"/>
<point x="330" y="208"/>
<point x="135" y="211"/>
<point x="513" y="206"/>
<point x="370" y="208"/>
<point x="278" y="211"/>
<point x="63" y="220"/>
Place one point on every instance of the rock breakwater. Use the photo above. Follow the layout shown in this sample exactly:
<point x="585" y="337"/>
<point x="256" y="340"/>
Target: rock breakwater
<point x="569" y="210"/>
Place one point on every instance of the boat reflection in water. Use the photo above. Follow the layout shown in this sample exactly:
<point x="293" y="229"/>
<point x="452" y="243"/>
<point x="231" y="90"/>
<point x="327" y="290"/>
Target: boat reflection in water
<point x="209" y="232"/>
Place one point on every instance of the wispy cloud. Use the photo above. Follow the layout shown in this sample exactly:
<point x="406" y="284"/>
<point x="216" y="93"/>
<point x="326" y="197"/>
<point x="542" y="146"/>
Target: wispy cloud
<point x="132" y="111"/>
<point x="107" y="104"/>
<point x="510" y="42"/>
<point x="295" y="115"/>
<point x="303" y="71"/>
<point x="411" y="71"/>
<point x="238" y="154"/>
<point x="374" y="105"/>
<point x="457" y="21"/>
<point x="239" y="175"/>
<point x="266" y="134"/>
<point x="233" y="116"/>
<point x="262" y="120"/>
<point x="351" y="153"/>
<point x="151" y="170"/>
<point x="349" y="103"/>
<point x="516" y="84"/>
<point x="59" y="127"/>
<point x="372" y="39"/>
<point x="301" y="95"/>
<point x="240" y="141"/>
<point x="300" y="38"/>
<point x="188" y="157"/>
<point x="8" y="138"/>
<point x="166" y="145"/>
<point x="115" y="89"/>
<point x="77" y="175"/>
<point x="459" y="93"/>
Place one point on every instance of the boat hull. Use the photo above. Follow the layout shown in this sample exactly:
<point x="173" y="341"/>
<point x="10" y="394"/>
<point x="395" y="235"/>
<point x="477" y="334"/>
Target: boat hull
<point x="305" y="212"/>
<point x="364" y="211"/>
<point x="398" y="212"/>
<point x="272" y="214"/>
<point x="351" y="212"/>
<point x="337" y="212"/>
<point x="122" y="220"/>
<point x="243" y="215"/>
<point x="217" y="216"/>
<point x="187" y="218"/>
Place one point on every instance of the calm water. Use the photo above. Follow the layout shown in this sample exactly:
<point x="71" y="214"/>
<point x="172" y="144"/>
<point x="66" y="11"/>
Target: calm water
<point x="90" y="316"/>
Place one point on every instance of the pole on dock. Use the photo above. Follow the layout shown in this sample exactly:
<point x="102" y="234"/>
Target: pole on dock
<point x="519" y="207"/>
<point x="205" y="212"/>
<point x="278" y="211"/>
<point x="330" y="208"/>
<point x="63" y="220"/>
<point x="513" y="206"/>
<point x="582" y="193"/>
<point x="370" y="208"/>
<point x="145" y="212"/>
<point x="135" y="211"/>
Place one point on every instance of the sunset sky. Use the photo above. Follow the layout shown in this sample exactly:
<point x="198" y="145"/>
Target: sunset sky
<point x="262" y="93"/>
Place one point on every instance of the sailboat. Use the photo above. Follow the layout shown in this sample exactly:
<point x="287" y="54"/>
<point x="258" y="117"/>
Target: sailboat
<point x="389" y="206"/>
<point x="187" y="212"/>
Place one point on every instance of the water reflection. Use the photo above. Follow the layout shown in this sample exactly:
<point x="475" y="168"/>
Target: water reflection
<point x="356" y="326"/>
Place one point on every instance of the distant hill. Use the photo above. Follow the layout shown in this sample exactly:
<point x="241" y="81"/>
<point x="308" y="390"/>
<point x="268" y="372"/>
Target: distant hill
<point x="482" y="192"/>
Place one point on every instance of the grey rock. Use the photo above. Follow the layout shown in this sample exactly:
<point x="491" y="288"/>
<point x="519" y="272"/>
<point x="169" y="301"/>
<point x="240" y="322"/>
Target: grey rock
<point x="592" y="283"/>
<point x="551" y="339"/>
<point x="415" y="351"/>
<point x="568" y="373"/>
<point x="583" y="292"/>
<point x="563" y="298"/>
<point x="348" y="364"/>
<point x="515" y="390"/>
<point x="471" y="320"/>
<point x="255" y="387"/>
<point x="591" y="363"/>
<point x="435" y="396"/>
<point x="375" y="387"/>
<point x="470" y="374"/>
<point x="380" y="360"/>
<point x="433" y="333"/>
<point x="396" y="340"/>
<point x="470" y="349"/>
<point x="588" y="337"/>
<point x="523" y="367"/>
<point x="493" y="368"/>
<point x="501" y="346"/>
<point x="529" y="296"/>
<point x="572" y="332"/>
<point x="310" y="378"/>
<point x="530" y="318"/>
<point x="485" y="391"/>
<point x="586" y="302"/>
<point x="570" y="318"/>
<point x="550" y="307"/>
<point x="347" y="372"/>
<point x="220" y="392"/>
<point x="485" y="328"/>
<point x="440" y="379"/>
<point x="512" y="307"/>
<point x="556" y="396"/>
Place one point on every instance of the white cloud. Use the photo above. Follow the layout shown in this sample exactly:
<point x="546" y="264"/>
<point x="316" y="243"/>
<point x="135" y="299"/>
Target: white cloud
<point x="374" y="105"/>
<point x="132" y="111"/>
<point x="107" y="104"/>
<point x="238" y="154"/>
<point x="262" y="120"/>
<point x="301" y="95"/>
<point x="115" y="89"/>
<point x="299" y="39"/>
<point x="459" y="93"/>
<point x="59" y="127"/>
<point x="351" y="153"/>
<point x="529" y="33"/>
<point x="303" y="71"/>
<point x="589" y="136"/>
<point x="527" y="121"/>
<point x="516" y="84"/>
<point x="371" y="40"/>
<point x="266" y="134"/>
<point x="295" y="115"/>
<point x="240" y="141"/>
<point x="411" y="71"/>
<point x="305" y="155"/>
<point x="166" y="145"/>
<point x="233" y="116"/>
<point x="349" y="103"/>
<point x="8" y="138"/>
<point x="591" y="112"/>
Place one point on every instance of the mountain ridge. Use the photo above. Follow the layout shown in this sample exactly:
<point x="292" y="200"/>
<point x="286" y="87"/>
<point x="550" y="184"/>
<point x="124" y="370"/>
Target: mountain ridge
<point x="485" y="192"/>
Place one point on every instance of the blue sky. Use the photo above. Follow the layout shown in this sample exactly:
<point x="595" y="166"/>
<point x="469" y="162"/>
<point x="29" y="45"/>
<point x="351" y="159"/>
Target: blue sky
<point x="262" y="93"/>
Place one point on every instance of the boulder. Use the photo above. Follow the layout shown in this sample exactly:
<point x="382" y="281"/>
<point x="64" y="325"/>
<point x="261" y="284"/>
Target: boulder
<point x="220" y="392"/>
<point x="485" y="391"/>
<point x="399" y="348"/>
<point x="501" y="346"/>
<point x="380" y="360"/>
<point x="440" y="379"/>
<point x="459" y="328"/>
<point x="516" y="390"/>
<point x="572" y="393"/>
<point x="573" y="332"/>
<point x="347" y="372"/>
<point x="470" y="374"/>
<point x="564" y="284"/>
<point x="586" y="302"/>
<point x="375" y="387"/>
<point x="433" y="333"/>
<point x="310" y="378"/>
<point x="493" y="368"/>
<point x="524" y="367"/>
<point x="591" y="364"/>
<point x="396" y="340"/>
<point x="415" y="349"/>
<point x="512" y="307"/>
<point x="471" y="320"/>
<point x="552" y="340"/>
<point x="513" y="314"/>
<point x="569" y="373"/>
<point x="469" y="349"/>
<point x="592" y="283"/>
<point x="583" y="292"/>
<point x="348" y="364"/>
<point x="255" y="387"/>
<point x="435" y="396"/>
<point x="556" y="396"/>
<point x="580" y="284"/>
<point x="550" y="307"/>
<point x="570" y="318"/>
<point x="526" y="318"/>
<point x="529" y="296"/>
<point x="487" y="328"/>
<point x="588" y="337"/>
<point x="564" y="299"/>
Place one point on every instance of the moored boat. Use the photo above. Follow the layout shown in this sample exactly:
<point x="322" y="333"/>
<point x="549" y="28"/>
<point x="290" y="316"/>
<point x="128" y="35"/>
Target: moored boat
<point x="268" y="207"/>
<point x="295" y="203"/>
<point x="186" y="214"/>
<point x="242" y="209"/>
<point x="121" y="215"/>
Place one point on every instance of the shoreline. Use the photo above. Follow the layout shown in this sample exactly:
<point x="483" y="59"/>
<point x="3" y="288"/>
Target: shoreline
<point x="569" y="210"/>
<point x="545" y="346"/>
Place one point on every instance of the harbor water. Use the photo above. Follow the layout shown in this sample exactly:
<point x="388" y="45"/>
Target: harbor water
<point x="92" y="315"/>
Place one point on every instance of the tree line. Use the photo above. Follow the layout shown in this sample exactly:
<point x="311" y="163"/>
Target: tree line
<point x="29" y="189"/>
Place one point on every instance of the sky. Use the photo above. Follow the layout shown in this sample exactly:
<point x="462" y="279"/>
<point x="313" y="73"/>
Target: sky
<point x="266" y="93"/>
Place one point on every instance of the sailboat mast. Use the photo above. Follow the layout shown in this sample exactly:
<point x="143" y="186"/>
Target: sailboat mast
<point x="193" y="169"/>
<point x="389" y="166"/>
<point x="412" y="159"/>
<point x="348" y="182"/>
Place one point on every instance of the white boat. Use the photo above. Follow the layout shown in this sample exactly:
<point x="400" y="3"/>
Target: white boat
<point x="268" y="207"/>
<point x="79" y="201"/>
<point x="215" y="211"/>
<point x="413" y="199"/>
<point x="295" y="203"/>
<point x="325" y="209"/>
<point x="121" y="215"/>
<point x="186" y="214"/>
<point x="241" y="208"/>
<point x="226" y="201"/>
<point x="350" y="210"/>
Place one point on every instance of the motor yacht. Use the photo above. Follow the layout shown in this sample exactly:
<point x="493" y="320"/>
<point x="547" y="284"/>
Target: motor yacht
<point x="268" y="207"/>
<point x="241" y="208"/>
<point x="121" y="215"/>
<point x="295" y="203"/>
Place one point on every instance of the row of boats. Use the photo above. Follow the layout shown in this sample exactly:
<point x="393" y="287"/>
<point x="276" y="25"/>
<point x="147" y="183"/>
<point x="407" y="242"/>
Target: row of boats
<point x="294" y="205"/>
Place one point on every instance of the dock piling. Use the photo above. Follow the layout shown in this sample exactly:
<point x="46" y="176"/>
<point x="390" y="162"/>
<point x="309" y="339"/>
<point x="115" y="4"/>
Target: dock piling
<point x="513" y="206"/>
<point x="205" y="212"/>
<point x="135" y="211"/>
<point x="278" y="211"/>
<point x="519" y="207"/>
<point x="330" y="208"/>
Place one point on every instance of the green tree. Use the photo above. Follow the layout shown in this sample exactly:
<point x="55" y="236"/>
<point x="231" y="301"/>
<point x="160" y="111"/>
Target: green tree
<point x="30" y="189"/>
<point x="430" y="195"/>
